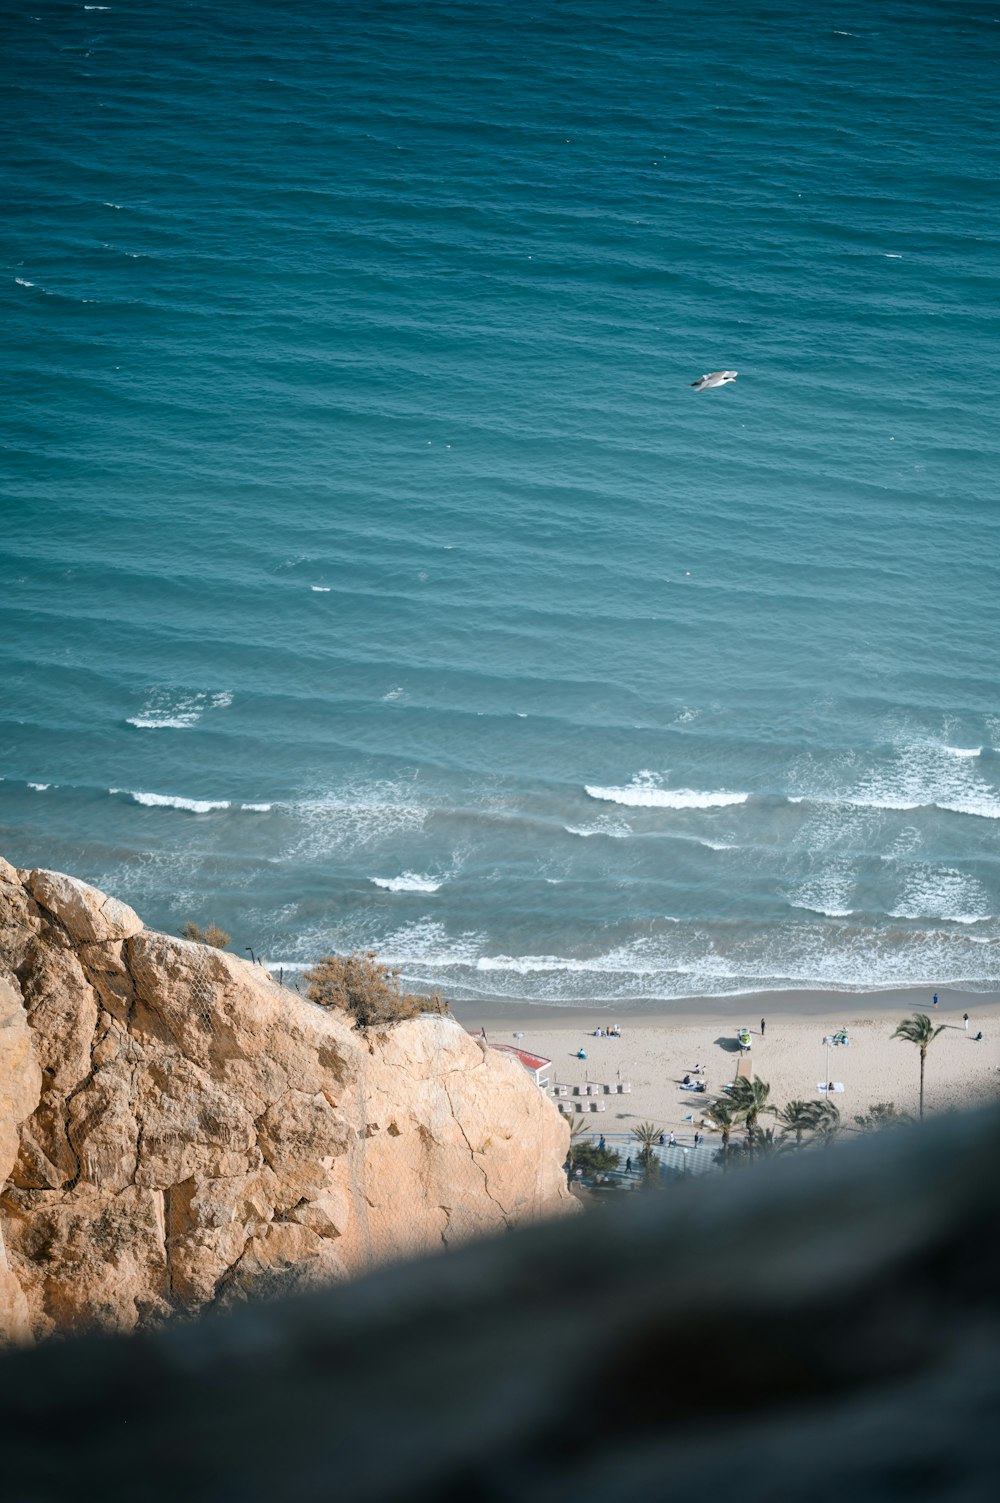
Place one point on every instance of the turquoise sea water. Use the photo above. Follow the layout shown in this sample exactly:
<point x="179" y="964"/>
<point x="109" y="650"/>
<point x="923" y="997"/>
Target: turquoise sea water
<point x="370" y="573"/>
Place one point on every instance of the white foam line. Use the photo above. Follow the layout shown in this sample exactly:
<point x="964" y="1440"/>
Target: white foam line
<point x="168" y="722"/>
<point x="981" y="811"/>
<point x="985" y="810"/>
<point x="641" y="796"/>
<point x="40" y="787"/>
<point x="408" y="882"/>
<point x="612" y="831"/>
<point x="166" y="801"/>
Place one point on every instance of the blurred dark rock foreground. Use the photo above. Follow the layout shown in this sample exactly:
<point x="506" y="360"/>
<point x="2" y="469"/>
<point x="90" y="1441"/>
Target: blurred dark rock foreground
<point x="821" y="1327"/>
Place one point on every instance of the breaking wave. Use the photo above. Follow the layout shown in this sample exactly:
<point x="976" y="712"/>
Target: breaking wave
<point x="168" y="801"/>
<point x="644" y="792"/>
<point x="408" y="882"/>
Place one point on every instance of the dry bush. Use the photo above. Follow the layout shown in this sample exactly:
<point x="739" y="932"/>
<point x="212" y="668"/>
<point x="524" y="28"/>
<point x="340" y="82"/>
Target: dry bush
<point x="210" y="935"/>
<point x="368" y="992"/>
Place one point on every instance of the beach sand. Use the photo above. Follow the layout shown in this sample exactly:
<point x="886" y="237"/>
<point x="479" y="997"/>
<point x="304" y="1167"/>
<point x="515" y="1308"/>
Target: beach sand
<point x="658" y="1047"/>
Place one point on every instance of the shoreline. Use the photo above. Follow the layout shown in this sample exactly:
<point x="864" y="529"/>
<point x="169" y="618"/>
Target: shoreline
<point x="747" y="1007"/>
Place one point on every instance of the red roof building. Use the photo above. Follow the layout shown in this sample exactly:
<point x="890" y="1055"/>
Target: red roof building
<point x="537" y="1065"/>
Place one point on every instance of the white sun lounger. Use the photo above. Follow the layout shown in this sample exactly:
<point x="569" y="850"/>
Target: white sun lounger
<point x="822" y="1085"/>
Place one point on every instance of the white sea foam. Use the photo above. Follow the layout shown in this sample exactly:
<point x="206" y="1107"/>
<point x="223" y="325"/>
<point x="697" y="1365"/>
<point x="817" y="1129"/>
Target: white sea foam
<point x="408" y="882"/>
<point x="527" y="965"/>
<point x="167" y="801"/>
<point x="23" y="282"/>
<point x="40" y="787"/>
<point x="643" y="793"/>
<point x="917" y="774"/>
<point x="161" y="723"/>
<point x="614" y="829"/>
<point x="942" y="893"/>
<point x="681" y="960"/>
<point x="828" y="890"/>
<point x="321" y="589"/>
<point x="427" y="944"/>
<point x="166" y="709"/>
<point x="982" y="808"/>
<point x="357" y="816"/>
<point x="879" y="803"/>
<point x="256" y="808"/>
<point x="392" y="694"/>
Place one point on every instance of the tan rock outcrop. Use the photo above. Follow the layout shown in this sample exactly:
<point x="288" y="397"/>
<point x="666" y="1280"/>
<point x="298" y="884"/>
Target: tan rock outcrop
<point x="177" y="1130"/>
<point x="87" y="914"/>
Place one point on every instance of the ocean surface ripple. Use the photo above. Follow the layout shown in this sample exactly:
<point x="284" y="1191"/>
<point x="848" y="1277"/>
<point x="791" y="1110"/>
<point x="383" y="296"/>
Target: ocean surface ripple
<point x="370" y="574"/>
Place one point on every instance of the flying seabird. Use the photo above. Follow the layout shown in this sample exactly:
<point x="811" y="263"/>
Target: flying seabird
<point x="717" y="378"/>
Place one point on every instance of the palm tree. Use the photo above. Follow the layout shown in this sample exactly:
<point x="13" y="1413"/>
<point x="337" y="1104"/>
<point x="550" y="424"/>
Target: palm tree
<point x="798" y="1117"/>
<point x="919" y="1030"/>
<point x="722" y="1116"/>
<point x="764" y="1143"/>
<point x="826" y="1121"/>
<point x="577" y="1127"/>
<point x="748" y="1098"/>
<point x="647" y="1135"/>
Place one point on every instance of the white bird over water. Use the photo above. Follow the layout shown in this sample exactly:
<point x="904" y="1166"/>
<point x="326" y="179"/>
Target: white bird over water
<point x="716" y="378"/>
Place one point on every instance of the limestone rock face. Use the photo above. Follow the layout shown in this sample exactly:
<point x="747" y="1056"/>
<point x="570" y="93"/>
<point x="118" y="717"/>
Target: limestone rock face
<point x="177" y="1130"/>
<point x="87" y="914"/>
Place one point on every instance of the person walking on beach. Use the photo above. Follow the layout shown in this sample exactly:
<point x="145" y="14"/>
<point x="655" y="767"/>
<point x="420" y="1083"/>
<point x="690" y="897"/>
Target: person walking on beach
<point x="628" y="1166"/>
<point x="935" y="999"/>
<point x="762" y="1027"/>
<point x="965" y="1020"/>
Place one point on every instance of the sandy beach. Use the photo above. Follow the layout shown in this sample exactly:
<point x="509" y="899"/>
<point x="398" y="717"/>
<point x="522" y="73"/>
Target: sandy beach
<point x="657" y="1049"/>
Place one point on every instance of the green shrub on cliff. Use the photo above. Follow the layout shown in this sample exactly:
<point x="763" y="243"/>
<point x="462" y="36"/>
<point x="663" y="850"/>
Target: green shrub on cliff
<point x="210" y="935"/>
<point x="370" y="993"/>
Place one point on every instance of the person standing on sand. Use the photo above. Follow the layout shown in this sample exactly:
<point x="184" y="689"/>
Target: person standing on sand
<point x="965" y="1020"/>
<point x="762" y="1027"/>
<point x="935" y="999"/>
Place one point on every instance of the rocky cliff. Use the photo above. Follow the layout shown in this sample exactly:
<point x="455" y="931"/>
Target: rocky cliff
<point x="178" y="1131"/>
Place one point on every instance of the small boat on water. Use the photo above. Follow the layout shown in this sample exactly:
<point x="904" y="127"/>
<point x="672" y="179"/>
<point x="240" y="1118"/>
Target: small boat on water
<point x="743" y="1034"/>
